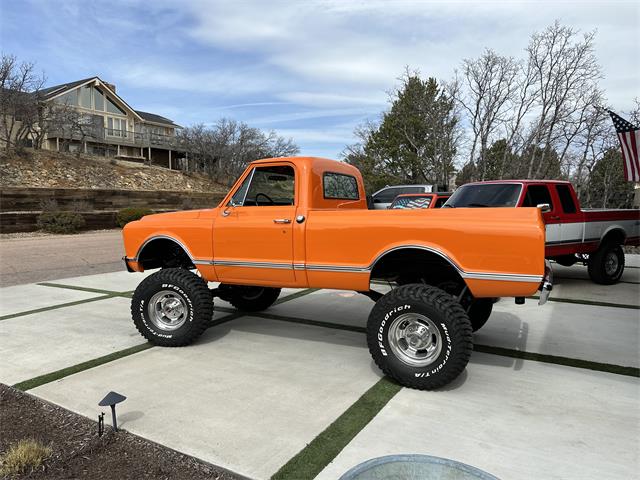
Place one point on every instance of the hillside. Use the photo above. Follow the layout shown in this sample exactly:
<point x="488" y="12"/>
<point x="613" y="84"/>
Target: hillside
<point x="42" y="168"/>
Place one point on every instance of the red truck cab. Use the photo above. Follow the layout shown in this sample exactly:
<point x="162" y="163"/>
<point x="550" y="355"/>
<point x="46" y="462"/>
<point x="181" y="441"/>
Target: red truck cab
<point x="594" y="237"/>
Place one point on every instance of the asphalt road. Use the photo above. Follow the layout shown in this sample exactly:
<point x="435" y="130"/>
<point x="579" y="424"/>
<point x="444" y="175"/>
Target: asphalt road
<point x="40" y="259"/>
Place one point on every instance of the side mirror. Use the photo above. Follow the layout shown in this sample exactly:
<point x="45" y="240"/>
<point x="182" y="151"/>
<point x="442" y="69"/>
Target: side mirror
<point x="545" y="207"/>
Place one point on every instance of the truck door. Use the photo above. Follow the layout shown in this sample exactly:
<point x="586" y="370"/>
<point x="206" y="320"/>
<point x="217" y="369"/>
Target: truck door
<point x="253" y="234"/>
<point x="572" y="219"/>
<point x="537" y="194"/>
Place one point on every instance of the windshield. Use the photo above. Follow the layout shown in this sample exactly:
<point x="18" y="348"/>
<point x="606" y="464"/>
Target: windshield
<point x="485" y="195"/>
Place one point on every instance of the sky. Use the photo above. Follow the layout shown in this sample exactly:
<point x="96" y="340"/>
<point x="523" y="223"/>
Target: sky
<point x="312" y="70"/>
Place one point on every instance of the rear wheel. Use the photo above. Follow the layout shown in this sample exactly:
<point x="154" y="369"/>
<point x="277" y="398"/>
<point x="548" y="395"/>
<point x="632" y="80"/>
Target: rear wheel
<point x="479" y="312"/>
<point x="607" y="264"/>
<point x="172" y="307"/>
<point x="420" y="336"/>
<point x="250" y="299"/>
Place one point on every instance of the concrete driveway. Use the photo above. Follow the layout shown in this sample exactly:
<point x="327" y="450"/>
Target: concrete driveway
<point x="550" y="392"/>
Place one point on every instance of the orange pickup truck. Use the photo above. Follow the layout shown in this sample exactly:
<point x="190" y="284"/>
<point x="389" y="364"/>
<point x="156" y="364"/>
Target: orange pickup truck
<point x="304" y="223"/>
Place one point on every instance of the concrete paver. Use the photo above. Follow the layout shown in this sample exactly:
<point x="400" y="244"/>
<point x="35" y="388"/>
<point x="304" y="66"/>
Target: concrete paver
<point x="22" y="298"/>
<point x="542" y="421"/>
<point x="594" y="333"/>
<point x="598" y="334"/>
<point x="253" y="392"/>
<point x="579" y="289"/>
<point x="44" y="342"/>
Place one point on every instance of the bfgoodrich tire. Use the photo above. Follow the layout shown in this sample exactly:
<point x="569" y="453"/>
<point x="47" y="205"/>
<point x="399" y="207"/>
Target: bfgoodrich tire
<point x="251" y="299"/>
<point x="419" y="336"/>
<point x="606" y="266"/>
<point x="172" y="307"/>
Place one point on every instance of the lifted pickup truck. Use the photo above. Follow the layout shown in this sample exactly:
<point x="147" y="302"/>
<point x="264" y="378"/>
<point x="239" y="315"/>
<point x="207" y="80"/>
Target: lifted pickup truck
<point x="594" y="237"/>
<point x="304" y="223"/>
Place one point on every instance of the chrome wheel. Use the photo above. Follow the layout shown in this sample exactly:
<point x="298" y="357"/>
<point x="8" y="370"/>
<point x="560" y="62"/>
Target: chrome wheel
<point x="611" y="264"/>
<point x="167" y="310"/>
<point x="415" y="340"/>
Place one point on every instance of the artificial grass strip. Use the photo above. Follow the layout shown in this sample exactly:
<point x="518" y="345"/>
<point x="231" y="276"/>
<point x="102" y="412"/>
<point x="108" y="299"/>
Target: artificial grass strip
<point x="55" y="307"/>
<point x="312" y="459"/>
<point x="87" y="289"/>
<point x="590" y="302"/>
<point x="558" y="360"/>
<point x="293" y="296"/>
<point x="65" y="372"/>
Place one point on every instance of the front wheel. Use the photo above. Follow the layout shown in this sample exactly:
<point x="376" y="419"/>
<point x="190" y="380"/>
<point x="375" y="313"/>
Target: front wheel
<point x="420" y="336"/>
<point x="607" y="264"/>
<point x="172" y="307"/>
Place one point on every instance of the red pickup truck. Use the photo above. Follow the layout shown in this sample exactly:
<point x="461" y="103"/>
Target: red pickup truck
<point x="594" y="237"/>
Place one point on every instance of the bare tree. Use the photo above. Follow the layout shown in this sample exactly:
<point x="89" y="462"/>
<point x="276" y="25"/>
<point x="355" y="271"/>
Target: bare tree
<point x="19" y="84"/>
<point x="491" y="83"/>
<point x="564" y="67"/>
<point x="224" y="150"/>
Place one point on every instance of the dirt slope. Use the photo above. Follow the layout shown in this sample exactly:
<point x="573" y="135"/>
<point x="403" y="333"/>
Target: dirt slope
<point x="53" y="169"/>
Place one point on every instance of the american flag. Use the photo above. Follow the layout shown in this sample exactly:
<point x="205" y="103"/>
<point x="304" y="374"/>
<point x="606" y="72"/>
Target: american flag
<point x="629" y="136"/>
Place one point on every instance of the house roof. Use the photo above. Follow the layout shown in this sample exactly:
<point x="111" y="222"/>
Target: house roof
<point x="152" y="117"/>
<point x="56" y="90"/>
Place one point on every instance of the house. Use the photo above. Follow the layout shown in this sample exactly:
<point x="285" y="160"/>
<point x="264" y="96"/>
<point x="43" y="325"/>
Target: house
<point x="113" y="128"/>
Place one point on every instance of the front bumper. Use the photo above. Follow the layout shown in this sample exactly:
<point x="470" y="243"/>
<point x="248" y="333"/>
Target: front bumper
<point x="547" y="283"/>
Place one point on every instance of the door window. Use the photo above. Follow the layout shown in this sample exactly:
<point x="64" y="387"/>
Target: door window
<point x="267" y="186"/>
<point x="537" y="194"/>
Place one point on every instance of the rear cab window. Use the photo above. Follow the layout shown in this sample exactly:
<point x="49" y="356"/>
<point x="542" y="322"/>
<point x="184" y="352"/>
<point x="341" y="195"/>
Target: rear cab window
<point x="338" y="186"/>
<point x="566" y="199"/>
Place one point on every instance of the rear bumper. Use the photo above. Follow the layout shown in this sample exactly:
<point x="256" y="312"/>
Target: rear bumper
<point x="547" y="283"/>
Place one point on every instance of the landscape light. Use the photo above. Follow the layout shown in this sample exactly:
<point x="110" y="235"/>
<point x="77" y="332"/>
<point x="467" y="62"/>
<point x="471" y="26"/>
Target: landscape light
<point x="112" y="399"/>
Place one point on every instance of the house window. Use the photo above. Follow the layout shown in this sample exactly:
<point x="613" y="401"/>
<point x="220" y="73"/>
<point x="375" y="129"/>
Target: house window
<point x="113" y="108"/>
<point x="69" y="98"/>
<point x="85" y="97"/>
<point x="116" y="127"/>
<point x="98" y="99"/>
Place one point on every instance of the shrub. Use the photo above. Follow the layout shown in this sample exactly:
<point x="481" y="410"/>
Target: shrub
<point x="130" y="214"/>
<point x="24" y="455"/>
<point x="60" y="222"/>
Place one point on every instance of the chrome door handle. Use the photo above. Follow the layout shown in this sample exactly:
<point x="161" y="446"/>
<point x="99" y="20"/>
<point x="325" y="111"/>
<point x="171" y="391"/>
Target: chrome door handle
<point x="281" y="220"/>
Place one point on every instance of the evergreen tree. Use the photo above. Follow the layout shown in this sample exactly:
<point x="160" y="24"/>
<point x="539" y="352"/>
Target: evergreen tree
<point x="416" y="140"/>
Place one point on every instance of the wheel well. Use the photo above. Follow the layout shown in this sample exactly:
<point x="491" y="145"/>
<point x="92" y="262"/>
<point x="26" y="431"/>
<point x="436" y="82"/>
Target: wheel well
<point x="164" y="253"/>
<point x="616" y="235"/>
<point x="414" y="265"/>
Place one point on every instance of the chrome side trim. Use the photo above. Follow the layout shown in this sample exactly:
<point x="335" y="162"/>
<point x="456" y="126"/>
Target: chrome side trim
<point x="505" y="277"/>
<point x="236" y="263"/>
<point x="337" y="268"/>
